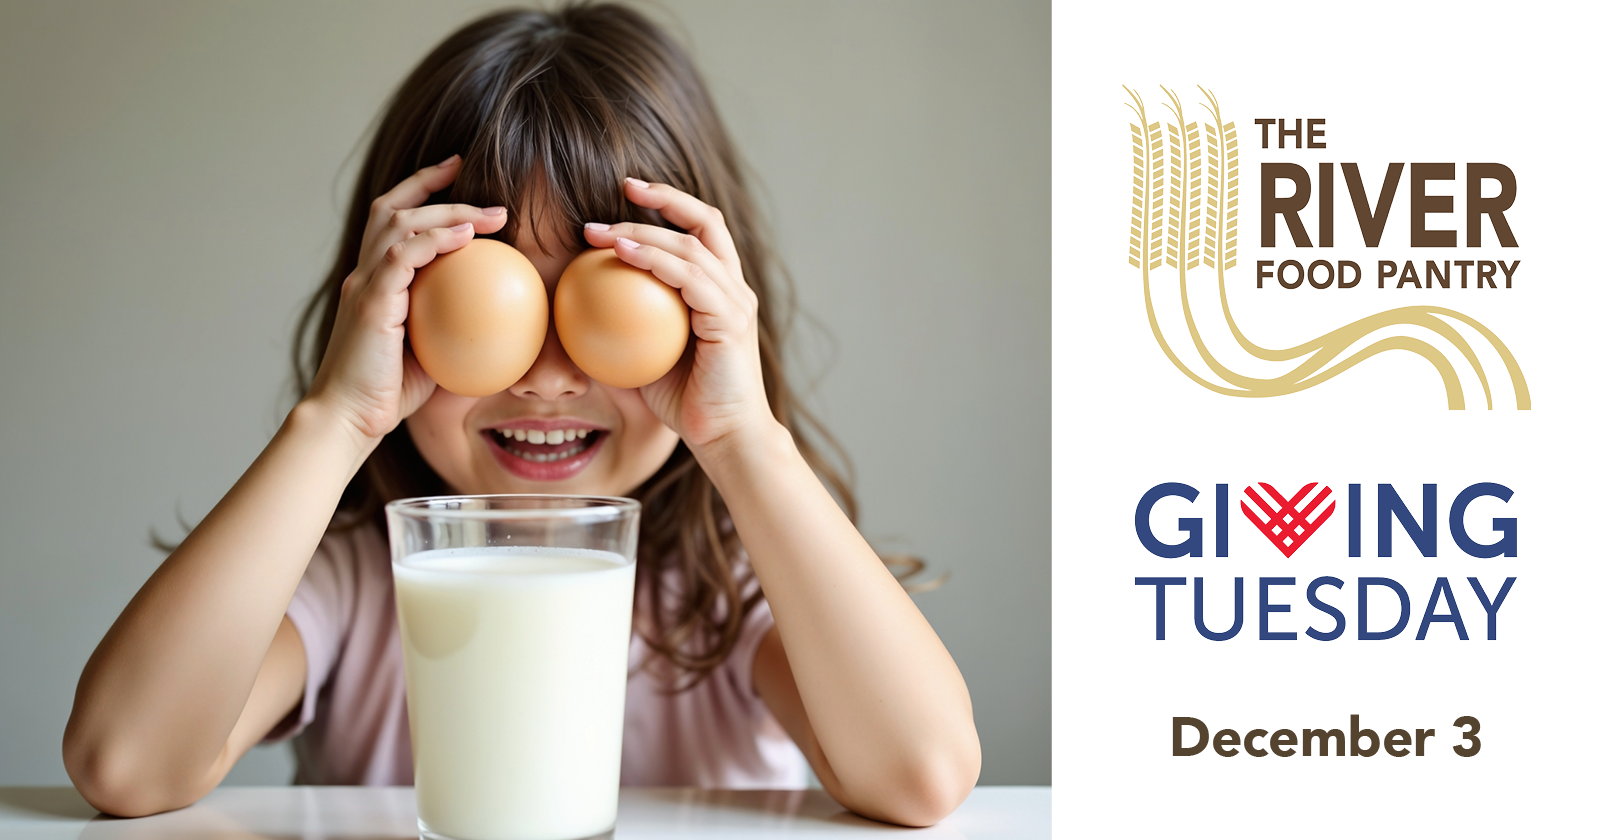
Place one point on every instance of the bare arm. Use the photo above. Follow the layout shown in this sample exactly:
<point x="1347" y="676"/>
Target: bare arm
<point x="157" y="720"/>
<point x="278" y="687"/>
<point x="202" y="663"/>
<point x="857" y="677"/>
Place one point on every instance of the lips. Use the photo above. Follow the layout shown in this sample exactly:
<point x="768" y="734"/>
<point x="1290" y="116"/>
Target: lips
<point x="544" y="450"/>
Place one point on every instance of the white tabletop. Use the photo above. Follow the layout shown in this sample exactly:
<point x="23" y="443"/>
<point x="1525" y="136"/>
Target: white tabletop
<point x="347" y="813"/>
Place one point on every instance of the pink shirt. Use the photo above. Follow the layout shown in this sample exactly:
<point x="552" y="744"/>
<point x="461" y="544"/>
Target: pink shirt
<point x="352" y="724"/>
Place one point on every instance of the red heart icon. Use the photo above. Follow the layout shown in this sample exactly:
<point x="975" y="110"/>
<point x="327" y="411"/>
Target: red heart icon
<point x="1286" y="522"/>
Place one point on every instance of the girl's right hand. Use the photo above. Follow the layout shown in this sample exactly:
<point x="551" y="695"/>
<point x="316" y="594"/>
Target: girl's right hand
<point x="368" y="377"/>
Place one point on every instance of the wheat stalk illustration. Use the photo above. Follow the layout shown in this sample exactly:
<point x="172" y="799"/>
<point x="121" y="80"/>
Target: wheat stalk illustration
<point x="1222" y="190"/>
<point x="1149" y="189"/>
<point x="1183" y="238"/>
<point x="1184" y="202"/>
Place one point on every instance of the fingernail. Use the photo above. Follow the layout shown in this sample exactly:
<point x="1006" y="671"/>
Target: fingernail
<point x="625" y="242"/>
<point x="494" y="211"/>
<point x="597" y="226"/>
<point x="462" y="228"/>
<point x="638" y="183"/>
<point x="450" y="161"/>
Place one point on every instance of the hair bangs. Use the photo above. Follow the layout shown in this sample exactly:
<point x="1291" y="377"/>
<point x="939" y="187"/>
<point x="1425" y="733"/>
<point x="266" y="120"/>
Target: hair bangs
<point x="551" y="134"/>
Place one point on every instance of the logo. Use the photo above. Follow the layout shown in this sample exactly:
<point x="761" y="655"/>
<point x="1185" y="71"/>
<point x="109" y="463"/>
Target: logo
<point x="1286" y="523"/>
<point x="1186" y="213"/>
<point x="1381" y="606"/>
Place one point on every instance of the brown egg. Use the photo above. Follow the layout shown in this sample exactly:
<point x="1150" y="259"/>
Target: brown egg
<point x="478" y="317"/>
<point x="619" y="324"/>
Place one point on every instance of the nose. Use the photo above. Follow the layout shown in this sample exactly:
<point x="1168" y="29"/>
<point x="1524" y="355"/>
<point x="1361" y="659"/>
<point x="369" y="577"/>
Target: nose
<point x="553" y="375"/>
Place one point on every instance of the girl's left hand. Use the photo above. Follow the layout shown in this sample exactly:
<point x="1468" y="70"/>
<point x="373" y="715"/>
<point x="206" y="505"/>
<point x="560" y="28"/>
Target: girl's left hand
<point x="715" y="393"/>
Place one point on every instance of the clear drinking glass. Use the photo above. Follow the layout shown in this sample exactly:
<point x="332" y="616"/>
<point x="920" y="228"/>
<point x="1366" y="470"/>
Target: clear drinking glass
<point x="515" y="616"/>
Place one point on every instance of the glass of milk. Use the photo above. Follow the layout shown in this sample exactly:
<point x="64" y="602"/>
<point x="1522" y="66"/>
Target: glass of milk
<point x="515" y="617"/>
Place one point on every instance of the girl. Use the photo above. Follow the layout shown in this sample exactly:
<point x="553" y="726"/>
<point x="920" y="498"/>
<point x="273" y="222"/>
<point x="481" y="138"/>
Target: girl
<point x="768" y="632"/>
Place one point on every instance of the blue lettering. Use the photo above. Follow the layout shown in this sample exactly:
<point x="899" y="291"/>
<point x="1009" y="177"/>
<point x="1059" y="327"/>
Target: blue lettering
<point x="1354" y="512"/>
<point x="1362" y="632"/>
<point x="1442" y="585"/>
<point x="1161" y="584"/>
<point x="1268" y="607"/>
<point x="1506" y="546"/>
<point x="1338" y="617"/>
<point x="1200" y="608"/>
<point x="1390" y="508"/>
<point x="1222" y="520"/>
<point x="1491" y="607"/>
<point x="1192" y="546"/>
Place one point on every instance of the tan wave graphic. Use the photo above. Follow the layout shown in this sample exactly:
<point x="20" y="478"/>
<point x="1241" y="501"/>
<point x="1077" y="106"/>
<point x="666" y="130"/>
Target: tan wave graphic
<point x="1181" y="187"/>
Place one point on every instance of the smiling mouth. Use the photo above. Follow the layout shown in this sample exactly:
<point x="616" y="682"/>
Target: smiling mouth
<point x="542" y="447"/>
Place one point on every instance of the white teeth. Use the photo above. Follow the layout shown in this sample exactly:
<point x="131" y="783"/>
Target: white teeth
<point x="553" y="436"/>
<point x="542" y="459"/>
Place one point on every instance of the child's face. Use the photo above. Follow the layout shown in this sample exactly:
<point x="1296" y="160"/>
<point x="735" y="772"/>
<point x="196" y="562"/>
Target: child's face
<point x="464" y="440"/>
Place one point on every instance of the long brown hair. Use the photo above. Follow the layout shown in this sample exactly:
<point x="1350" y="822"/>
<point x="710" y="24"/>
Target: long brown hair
<point x="549" y="111"/>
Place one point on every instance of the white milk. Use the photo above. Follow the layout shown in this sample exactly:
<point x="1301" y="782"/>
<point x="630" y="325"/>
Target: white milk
<point x="516" y="669"/>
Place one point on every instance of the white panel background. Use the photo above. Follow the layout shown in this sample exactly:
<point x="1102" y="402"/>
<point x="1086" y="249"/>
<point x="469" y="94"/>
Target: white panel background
<point x="1395" y="82"/>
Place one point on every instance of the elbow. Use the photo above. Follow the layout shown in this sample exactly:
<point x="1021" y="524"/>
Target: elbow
<point x="114" y="781"/>
<point x="930" y="786"/>
<point x="105" y="780"/>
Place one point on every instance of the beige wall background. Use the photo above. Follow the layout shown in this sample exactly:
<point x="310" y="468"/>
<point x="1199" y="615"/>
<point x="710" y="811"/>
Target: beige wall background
<point x="171" y="176"/>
